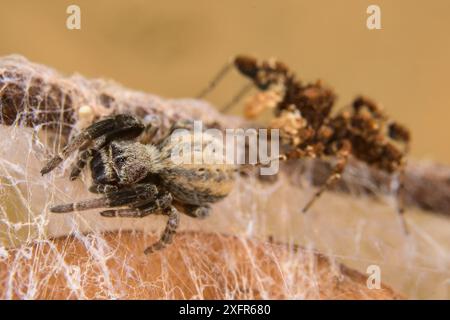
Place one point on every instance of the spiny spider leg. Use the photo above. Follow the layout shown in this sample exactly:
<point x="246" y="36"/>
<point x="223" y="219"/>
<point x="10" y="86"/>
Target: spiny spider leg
<point x="122" y="125"/>
<point x="163" y="205"/>
<point x="401" y="200"/>
<point x="84" y="156"/>
<point x="103" y="188"/>
<point x="375" y="110"/>
<point x="180" y="124"/>
<point x="126" y="213"/>
<point x="152" y="125"/>
<point x="81" y="162"/>
<point x="81" y="206"/>
<point x="215" y="80"/>
<point x="144" y="208"/>
<point x="342" y="158"/>
<point x="126" y="196"/>
<point x="169" y="231"/>
<point x="237" y="97"/>
<point x="401" y="134"/>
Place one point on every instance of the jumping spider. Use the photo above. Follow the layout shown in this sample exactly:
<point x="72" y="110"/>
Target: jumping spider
<point x="143" y="177"/>
<point x="308" y="127"/>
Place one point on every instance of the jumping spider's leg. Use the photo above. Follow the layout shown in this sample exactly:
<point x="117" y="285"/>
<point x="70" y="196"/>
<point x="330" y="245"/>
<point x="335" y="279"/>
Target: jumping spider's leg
<point x="180" y="124"/>
<point x="81" y="162"/>
<point x="84" y="156"/>
<point x="169" y="231"/>
<point x="127" y="196"/>
<point x="342" y="158"/>
<point x="103" y="188"/>
<point x="123" y="125"/>
<point x="164" y="205"/>
<point x="80" y="206"/>
<point x="152" y="125"/>
<point x="199" y="212"/>
<point x="141" y="210"/>
<point x="125" y="213"/>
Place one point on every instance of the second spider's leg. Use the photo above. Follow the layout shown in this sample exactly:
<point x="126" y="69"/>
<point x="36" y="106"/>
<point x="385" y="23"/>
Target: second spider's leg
<point x="400" y="133"/>
<point x="221" y="74"/>
<point x="133" y="196"/>
<point x="237" y="97"/>
<point x="342" y="158"/>
<point x="171" y="227"/>
<point x="400" y="198"/>
<point x="375" y="110"/>
<point x="123" y="125"/>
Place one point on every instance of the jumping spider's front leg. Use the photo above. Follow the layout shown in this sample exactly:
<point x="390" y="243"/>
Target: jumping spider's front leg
<point x="163" y="205"/>
<point x="121" y="125"/>
<point x="132" y="196"/>
<point x="342" y="156"/>
<point x="143" y="200"/>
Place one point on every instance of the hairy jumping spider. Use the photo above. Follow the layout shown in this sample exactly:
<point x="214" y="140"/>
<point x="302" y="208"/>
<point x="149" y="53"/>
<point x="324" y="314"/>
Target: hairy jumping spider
<point x="308" y="127"/>
<point x="142" y="177"/>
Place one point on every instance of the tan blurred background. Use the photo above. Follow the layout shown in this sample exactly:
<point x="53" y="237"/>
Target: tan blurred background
<point x="173" y="48"/>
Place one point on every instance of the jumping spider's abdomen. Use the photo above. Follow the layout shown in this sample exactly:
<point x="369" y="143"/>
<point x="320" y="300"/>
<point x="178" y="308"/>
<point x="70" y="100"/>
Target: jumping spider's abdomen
<point x="198" y="184"/>
<point x="203" y="176"/>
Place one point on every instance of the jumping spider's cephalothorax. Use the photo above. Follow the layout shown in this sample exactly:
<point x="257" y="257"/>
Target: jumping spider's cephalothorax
<point x="308" y="127"/>
<point x="142" y="178"/>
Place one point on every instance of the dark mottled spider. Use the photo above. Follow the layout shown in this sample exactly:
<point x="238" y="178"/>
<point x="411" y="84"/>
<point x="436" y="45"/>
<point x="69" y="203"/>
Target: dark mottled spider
<point x="142" y="177"/>
<point x="308" y="128"/>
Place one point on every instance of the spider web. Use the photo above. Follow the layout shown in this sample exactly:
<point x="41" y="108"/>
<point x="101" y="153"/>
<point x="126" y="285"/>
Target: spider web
<point x="246" y="249"/>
